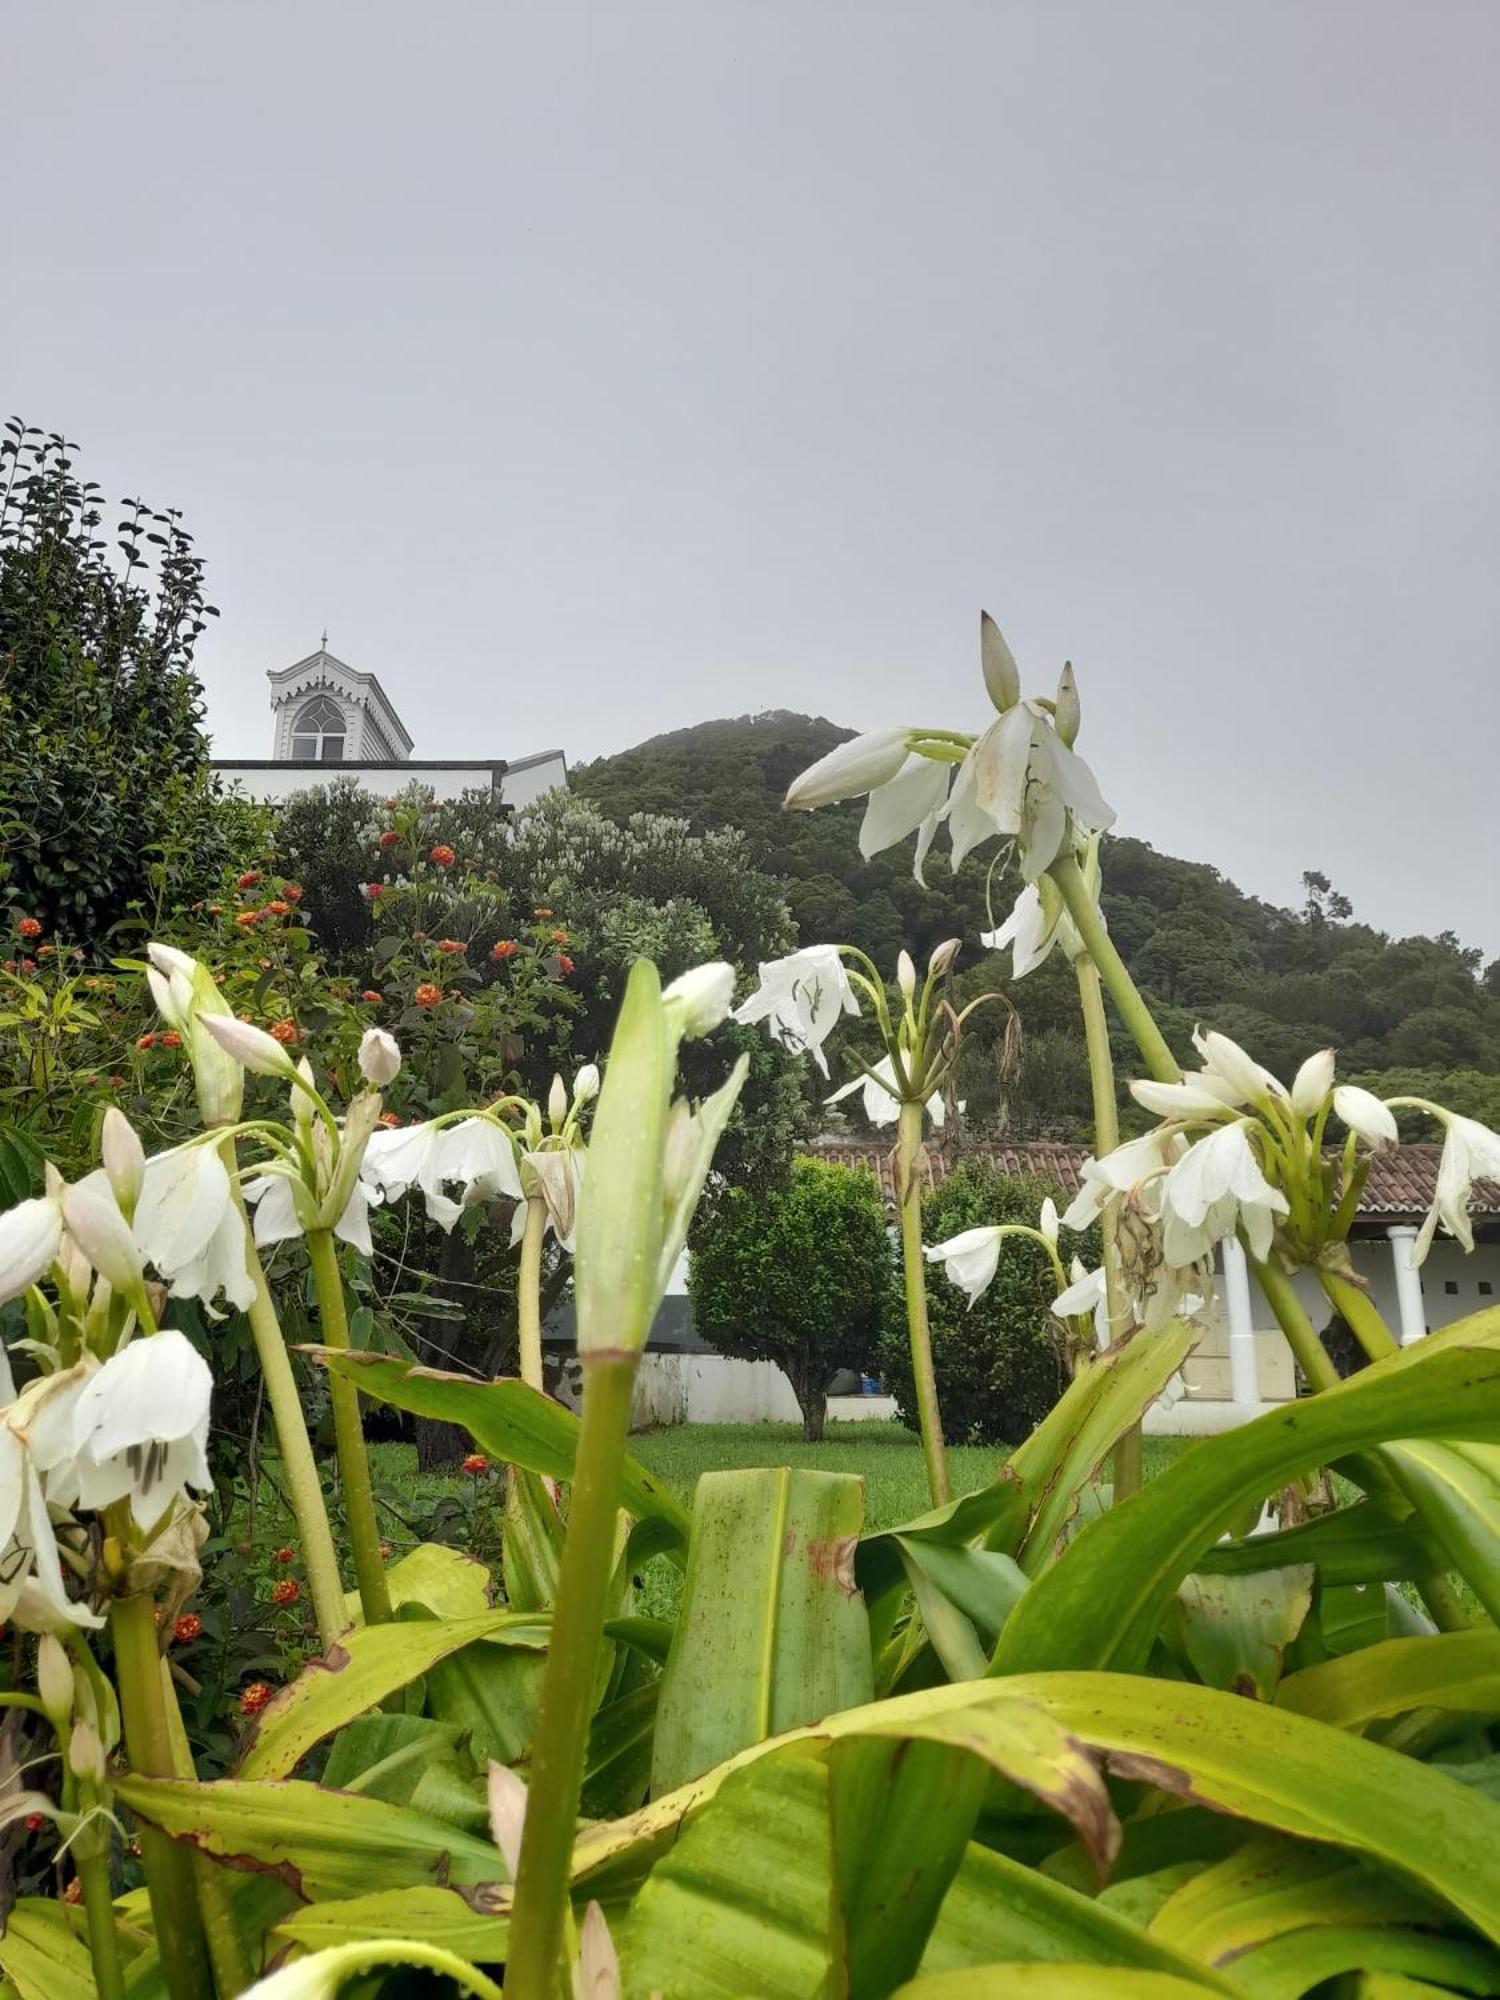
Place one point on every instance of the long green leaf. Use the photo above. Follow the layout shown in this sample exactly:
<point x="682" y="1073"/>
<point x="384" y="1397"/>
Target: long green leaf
<point x="1272" y="1885"/>
<point x="442" y="1580"/>
<point x="1287" y="1772"/>
<point x="321" y="1843"/>
<point x="772" y="1632"/>
<point x="41" y="1956"/>
<point x="1456" y="1490"/>
<point x="1103" y="1604"/>
<point x="1290" y="1966"/>
<point x="444" y="1917"/>
<point x="1450" y="1670"/>
<point x="1047" y="1982"/>
<point x="1358" y="1544"/>
<point x="360" y="1671"/>
<point x="508" y="1419"/>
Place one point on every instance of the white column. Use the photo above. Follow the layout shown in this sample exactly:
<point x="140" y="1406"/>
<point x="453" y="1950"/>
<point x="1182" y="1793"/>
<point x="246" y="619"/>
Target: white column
<point x="1408" y="1283"/>
<point x="1244" y="1365"/>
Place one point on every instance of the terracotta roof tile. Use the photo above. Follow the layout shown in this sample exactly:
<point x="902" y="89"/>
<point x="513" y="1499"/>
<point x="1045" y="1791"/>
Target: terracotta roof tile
<point x="1400" y="1184"/>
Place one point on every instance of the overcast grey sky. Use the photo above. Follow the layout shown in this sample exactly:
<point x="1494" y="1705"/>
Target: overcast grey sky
<point x="592" y="371"/>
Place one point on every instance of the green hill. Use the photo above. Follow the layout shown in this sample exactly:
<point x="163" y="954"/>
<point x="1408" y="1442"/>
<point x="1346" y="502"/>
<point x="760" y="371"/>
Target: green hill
<point x="1284" y="981"/>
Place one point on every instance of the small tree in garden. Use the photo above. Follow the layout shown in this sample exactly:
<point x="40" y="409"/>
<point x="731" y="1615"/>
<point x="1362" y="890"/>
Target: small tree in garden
<point x="1000" y="1361"/>
<point x="107" y="801"/>
<point x="797" y="1275"/>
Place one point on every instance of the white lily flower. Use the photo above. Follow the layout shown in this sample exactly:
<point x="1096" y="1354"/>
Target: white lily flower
<point x="970" y="1259"/>
<point x="30" y="1238"/>
<point x="32" y="1590"/>
<point x="1085" y="1296"/>
<point x="801" y="998"/>
<point x="1312" y="1084"/>
<point x="140" y="1427"/>
<point x="1471" y="1152"/>
<point x="910" y="802"/>
<point x="1021" y="781"/>
<point x="699" y="999"/>
<point x="1366" y="1115"/>
<point x="1189" y="1099"/>
<point x="189" y="1228"/>
<point x="1138" y="1164"/>
<point x="1228" y="1067"/>
<point x="280" y="1216"/>
<point x="379" y="1060"/>
<point x="1215" y="1188"/>
<point x="474" y="1151"/>
<point x="1029" y="932"/>
<point x="863" y="764"/>
<point x="881" y="1099"/>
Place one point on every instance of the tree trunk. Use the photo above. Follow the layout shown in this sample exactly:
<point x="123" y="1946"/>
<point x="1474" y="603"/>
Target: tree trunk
<point x="808" y="1386"/>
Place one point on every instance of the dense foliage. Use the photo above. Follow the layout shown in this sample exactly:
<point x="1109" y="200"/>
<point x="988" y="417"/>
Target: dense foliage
<point x="1000" y="1362"/>
<point x="108" y="809"/>
<point x="799" y="1275"/>
<point x="1286" y="981"/>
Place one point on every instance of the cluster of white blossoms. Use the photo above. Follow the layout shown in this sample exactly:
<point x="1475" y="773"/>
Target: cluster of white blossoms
<point x="1019" y="780"/>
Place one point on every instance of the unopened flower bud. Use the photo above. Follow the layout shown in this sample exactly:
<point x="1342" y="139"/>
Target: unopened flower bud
<point x="1002" y="677"/>
<point x="1048" y="1221"/>
<point x="906" y="975"/>
<point x="124" y="1158"/>
<point x="86" y="1753"/>
<point x="943" y="956"/>
<point x="54" y="1679"/>
<point x="302" y="1103"/>
<point x="103" y="1235"/>
<point x="700" y="999"/>
<point x="30" y="1237"/>
<point x="557" y="1103"/>
<point x="586" y="1084"/>
<point x="1067" y="715"/>
<point x="379" y="1057"/>
<point x="251" y="1047"/>
<point x="1312" y="1083"/>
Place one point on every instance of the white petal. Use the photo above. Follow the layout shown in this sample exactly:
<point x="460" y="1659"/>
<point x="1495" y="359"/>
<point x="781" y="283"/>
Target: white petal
<point x="1312" y="1083"/>
<point x="900" y="806"/>
<point x="30" y="1234"/>
<point x="184" y="1195"/>
<point x="1365" y="1115"/>
<point x="849" y="769"/>
<point x="969" y="1259"/>
<point x="1176" y="1100"/>
<point x="275" y="1207"/>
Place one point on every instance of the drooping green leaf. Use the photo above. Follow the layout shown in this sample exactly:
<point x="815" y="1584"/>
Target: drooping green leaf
<point x="1358" y="1544"/>
<point x="1102" y="1606"/>
<point x="443" y="1917"/>
<point x="511" y="1421"/>
<point x="360" y="1671"/>
<point x="1235" y="1630"/>
<point x="772" y="1630"/>
<point x="1290" y="1966"/>
<point x="384" y="1755"/>
<point x="322" y="1843"/>
<point x="490" y="1691"/>
<point x="1286" y="1772"/>
<point x="1450" y="1670"/>
<point x="1456" y="1490"/>
<point x="1272" y="1885"/>
<point x="617" y="1772"/>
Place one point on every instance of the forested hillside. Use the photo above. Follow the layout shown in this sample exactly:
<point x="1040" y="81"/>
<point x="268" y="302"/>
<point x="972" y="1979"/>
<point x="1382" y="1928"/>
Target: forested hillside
<point x="1284" y="981"/>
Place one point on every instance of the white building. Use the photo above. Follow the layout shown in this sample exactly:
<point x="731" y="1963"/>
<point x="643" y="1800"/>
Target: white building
<point x="327" y="714"/>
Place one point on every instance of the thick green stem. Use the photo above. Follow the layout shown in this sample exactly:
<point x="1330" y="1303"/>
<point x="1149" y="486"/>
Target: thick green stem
<point x="529" y="1291"/>
<point x="1292" y="1317"/>
<point x="349" y="1436"/>
<point x="1127" y="1454"/>
<point x="148" y="1743"/>
<point x="234" y="1971"/>
<point x="1123" y="990"/>
<point x="91" y="1855"/>
<point x="1361" y="1315"/>
<point x="919" y="1332"/>
<point x="304" y="1486"/>
<point x="557" y="1754"/>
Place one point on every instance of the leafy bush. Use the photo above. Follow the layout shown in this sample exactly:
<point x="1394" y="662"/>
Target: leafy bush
<point x="999" y="1363"/>
<point x="108" y="805"/>
<point x="796" y="1275"/>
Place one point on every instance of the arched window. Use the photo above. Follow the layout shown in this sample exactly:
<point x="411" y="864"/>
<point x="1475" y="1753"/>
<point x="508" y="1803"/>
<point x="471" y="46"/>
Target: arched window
<point x="318" y="733"/>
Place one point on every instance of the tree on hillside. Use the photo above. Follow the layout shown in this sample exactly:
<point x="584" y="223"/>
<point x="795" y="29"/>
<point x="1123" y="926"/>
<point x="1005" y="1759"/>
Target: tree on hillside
<point x="797" y="1275"/>
<point x="107" y="801"/>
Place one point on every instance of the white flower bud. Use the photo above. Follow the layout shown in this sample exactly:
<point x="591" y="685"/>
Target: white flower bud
<point x="379" y="1057"/>
<point x="906" y="975"/>
<point x="30" y="1237"/>
<point x="54" y="1679"/>
<point x="1002" y="677"/>
<point x="1068" y="713"/>
<point x="1366" y="1115"/>
<point x="86" y="1753"/>
<point x="302" y="1104"/>
<point x="124" y="1158"/>
<point x="586" y="1084"/>
<point x="251" y="1047"/>
<point x="1047" y="1222"/>
<point x="862" y="764"/>
<point x="103" y="1235"/>
<point x="507" y="1803"/>
<point x="557" y="1103"/>
<point x="943" y="956"/>
<point x="1312" y="1083"/>
<point x="700" y="999"/>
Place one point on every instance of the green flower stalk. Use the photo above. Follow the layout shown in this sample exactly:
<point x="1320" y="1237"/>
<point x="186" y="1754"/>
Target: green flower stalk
<point x="648" y="1160"/>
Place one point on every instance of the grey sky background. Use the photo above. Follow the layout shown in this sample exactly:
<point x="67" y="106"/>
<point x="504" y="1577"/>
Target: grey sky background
<point x="592" y="371"/>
